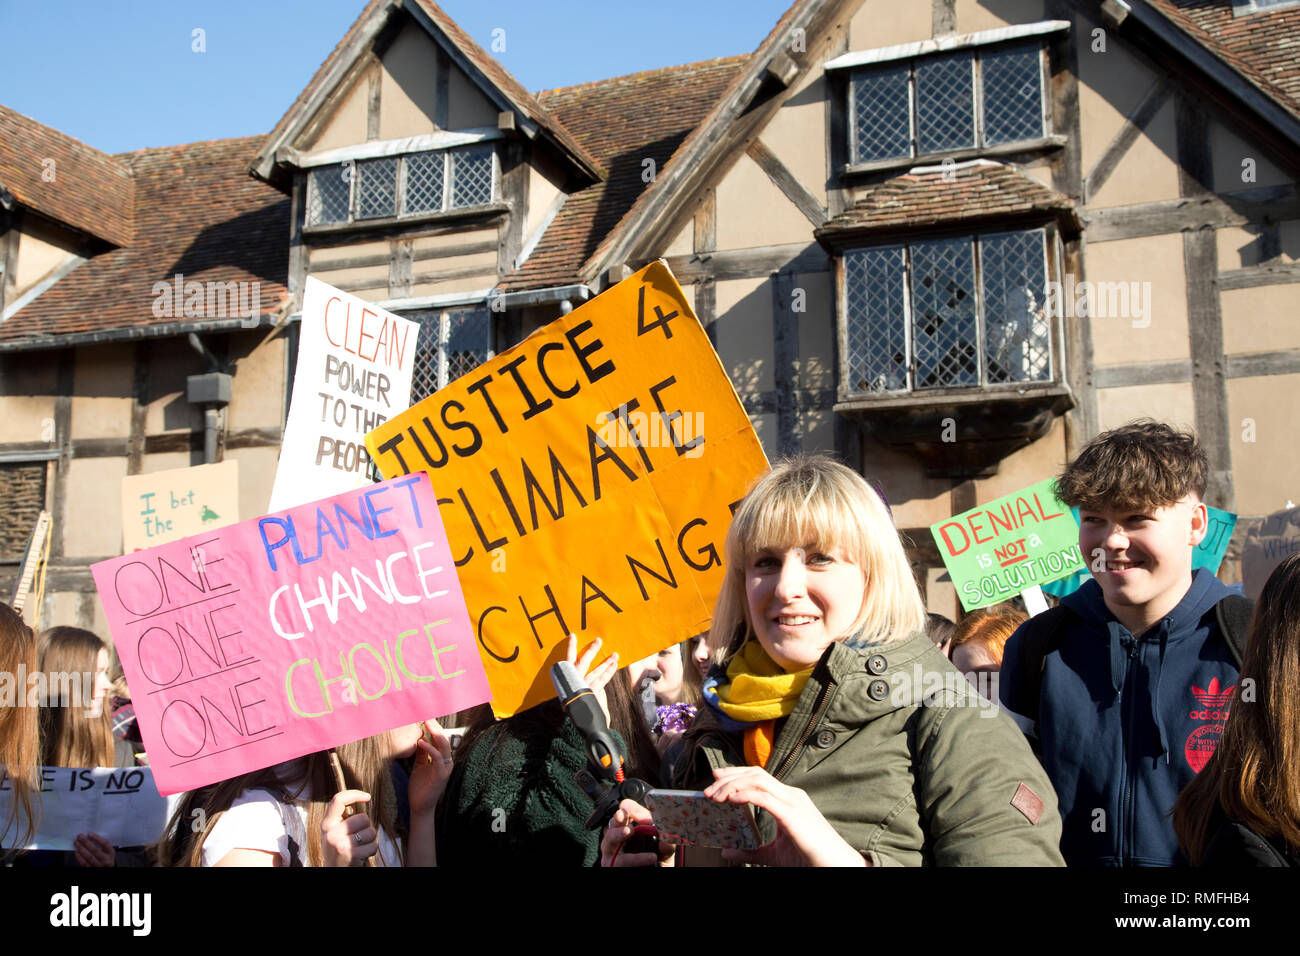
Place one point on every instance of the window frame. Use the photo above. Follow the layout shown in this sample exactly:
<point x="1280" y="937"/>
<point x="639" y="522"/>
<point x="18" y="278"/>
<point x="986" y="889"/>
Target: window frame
<point x="1052" y="252"/>
<point x="980" y="147"/>
<point x="444" y="326"/>
<point x="399" y="198"/>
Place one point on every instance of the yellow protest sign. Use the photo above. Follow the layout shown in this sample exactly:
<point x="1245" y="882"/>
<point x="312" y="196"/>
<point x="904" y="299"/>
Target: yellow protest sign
<point x="165" y="506"/>
<point x="585" y="479"/>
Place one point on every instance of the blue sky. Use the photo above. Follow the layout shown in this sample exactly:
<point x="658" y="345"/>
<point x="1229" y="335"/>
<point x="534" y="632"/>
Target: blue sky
<point x="122" y="74"/>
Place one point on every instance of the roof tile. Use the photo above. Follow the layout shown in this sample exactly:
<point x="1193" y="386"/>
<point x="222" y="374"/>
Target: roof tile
<point x="197" y="213"/>
<point x="89" y="190"/>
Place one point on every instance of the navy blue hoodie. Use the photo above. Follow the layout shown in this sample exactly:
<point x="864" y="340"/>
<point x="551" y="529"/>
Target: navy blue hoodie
<point x="1124" y="724"/>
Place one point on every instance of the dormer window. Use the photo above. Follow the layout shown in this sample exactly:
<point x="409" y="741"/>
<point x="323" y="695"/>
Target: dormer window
<point x="388" y="187"/>
<point x="937" y="104"/>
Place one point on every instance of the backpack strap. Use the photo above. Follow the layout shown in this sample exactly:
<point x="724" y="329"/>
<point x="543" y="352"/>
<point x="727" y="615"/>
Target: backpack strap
<point x="1233" y="615"/>
<point x="1039" y="637"/>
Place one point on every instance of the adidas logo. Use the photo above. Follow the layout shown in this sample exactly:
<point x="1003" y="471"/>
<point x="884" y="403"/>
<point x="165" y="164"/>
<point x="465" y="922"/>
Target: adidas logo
<point x="1212" y="696"/>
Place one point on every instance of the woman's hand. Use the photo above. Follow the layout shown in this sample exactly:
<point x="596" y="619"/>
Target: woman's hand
<point x="92" y="849"/>
<point x="627" y="818"/>
<point x="804" y="838"/>
<point x="430" y="771"/>
<point x="347" y="841"/>
<point x="598" y="677"/>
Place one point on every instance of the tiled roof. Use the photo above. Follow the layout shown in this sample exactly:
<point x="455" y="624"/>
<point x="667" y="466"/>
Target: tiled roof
<point x="936" y="196"/>
<point x="197" y="213"/>
<point x="623" y="122"/>
<point x="1263" y="47"/>
<point x="83" y="188"/>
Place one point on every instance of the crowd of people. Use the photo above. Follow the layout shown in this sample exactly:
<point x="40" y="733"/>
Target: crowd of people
<point x="860" y="730"/>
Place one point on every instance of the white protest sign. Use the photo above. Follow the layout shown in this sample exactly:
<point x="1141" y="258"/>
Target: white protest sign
<point x="122" y="805"/>
<point x="355" y="363"/>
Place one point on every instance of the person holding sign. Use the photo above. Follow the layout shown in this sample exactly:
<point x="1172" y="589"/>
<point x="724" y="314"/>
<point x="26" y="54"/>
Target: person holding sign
<point x="19" y="729"/>
<point x="294" y="814"/>
<point x="78" y="732"/>
<point x="1126" y="685"/>
<point x="834" y="712"/>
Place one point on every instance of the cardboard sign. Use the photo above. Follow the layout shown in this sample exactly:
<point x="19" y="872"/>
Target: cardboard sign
<point x="585" y="478"/>
<point x="1208" y="554"/>
<point x="166" y="506"/>
<point x="355" y="363"/>
<point x="999" y="549"/>
<point x="291" y="633"/>
<point x="122" y="805"/>
<point x="1267" y="545"/>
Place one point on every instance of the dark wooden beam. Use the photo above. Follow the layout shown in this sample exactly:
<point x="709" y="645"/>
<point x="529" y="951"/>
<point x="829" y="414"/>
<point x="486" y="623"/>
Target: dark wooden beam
<point x="943" y="17"/>
<point x="1204" y="319"/>
<point x="706" y="222"/>
<point x="514" y="192"/>
<point x="785" y="362"/>
<point x="364" y="285"/>
<point x="1207" y="210"/>
<point x="374" y="84"/>
<point x="9" y="259"/>
<point x="785" y="181"/>
<point x="1143" y="373"/>
<point x="1283" y="362"/>
<point x="750" y="263"/>
<point x="399" y="269"/>
<point x="1134" y="124"/>
<point x="298" y="252"/>
<point x="441" y="88"/>
<point x="1252" y="276"/>
<point x="417" y="255"/>
<point x="706" y="308"/>
<point x="65" y="382"/>
<point x="140" y="379"/>
<point x="837" y="131"/>
<point x="255" y="438"/>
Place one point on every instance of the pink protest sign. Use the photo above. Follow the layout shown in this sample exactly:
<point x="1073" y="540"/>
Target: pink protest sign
<point x="292" y="633"/>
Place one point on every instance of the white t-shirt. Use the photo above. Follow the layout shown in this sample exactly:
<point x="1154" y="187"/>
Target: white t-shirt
<point x="259" y="820"/>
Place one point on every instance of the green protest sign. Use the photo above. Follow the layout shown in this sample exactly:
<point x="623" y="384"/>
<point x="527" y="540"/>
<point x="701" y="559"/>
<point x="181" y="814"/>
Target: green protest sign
<point x="1007" y="545"/>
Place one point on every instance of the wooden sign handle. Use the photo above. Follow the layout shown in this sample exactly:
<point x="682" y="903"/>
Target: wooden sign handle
<point x="343" y="785"/>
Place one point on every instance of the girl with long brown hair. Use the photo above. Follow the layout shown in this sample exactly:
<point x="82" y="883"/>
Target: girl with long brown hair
<point x="19" y="733"/>
<point x="1243" y="808"/>
<point x="291" y="814"/>
<point x="76" y="732"/>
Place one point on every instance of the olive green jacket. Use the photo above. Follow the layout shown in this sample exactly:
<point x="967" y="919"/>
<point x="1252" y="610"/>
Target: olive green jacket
<point x="906" y="761"/>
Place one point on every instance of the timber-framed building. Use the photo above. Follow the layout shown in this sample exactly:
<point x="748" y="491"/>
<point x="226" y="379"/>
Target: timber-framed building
<point x="948" y="240"/>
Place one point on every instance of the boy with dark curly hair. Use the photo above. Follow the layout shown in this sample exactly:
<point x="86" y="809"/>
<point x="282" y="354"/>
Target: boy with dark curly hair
<point x="1126" y="684"/>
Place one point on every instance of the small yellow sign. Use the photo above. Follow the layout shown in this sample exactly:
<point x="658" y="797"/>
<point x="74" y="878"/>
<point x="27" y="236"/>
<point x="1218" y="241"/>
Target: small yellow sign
<point x="165" y="506"/>
<point x="586" y="479"/>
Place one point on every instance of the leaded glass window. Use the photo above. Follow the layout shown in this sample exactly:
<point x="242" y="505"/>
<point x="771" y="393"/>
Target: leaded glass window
<point x="944" y="313"/>
<point x="393" y="186"/>
<point x="963" y="100"/>
<point x="452" y="343"/>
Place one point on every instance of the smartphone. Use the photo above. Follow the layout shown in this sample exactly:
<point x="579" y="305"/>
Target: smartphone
<point x="688" y="816"/>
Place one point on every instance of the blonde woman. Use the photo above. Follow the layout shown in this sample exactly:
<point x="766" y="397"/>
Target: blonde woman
<point x="833" y="712"/>
<point x="294" y="815"/>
